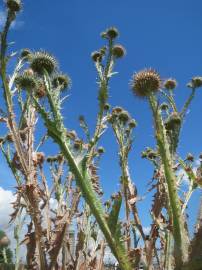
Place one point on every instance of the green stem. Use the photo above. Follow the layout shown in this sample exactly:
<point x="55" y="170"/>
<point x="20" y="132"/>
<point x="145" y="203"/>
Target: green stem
<point x="180" y="247"/>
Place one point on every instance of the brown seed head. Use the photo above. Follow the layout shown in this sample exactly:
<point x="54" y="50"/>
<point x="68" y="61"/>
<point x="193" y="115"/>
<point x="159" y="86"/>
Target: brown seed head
<point x="96" y="56"/>
<point x="196" y="82"/>
<point x="145" y="82"/>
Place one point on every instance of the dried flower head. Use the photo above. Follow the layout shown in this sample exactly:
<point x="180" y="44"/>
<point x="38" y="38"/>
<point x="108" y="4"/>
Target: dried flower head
<point x="61" y="80"/>
<point x="25" y="53"/>
<point x="196" y="82"/>
<point x="26" y="81"/>
<point x="40" y="89"/>
<point x="41" y="61"/>
<point x="118" y="51"/>
<point x="110" y="33"/>
<point x="96" y="56"/>
<point x="170" y="84"/>
<point x="14" y="5"/>
<point x="145" y="82"/>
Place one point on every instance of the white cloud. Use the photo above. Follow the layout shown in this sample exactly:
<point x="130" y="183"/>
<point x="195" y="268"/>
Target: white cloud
<point x="6" y="198"/>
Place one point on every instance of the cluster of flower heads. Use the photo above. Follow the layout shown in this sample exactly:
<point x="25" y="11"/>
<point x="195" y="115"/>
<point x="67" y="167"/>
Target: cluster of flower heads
<point x="117" y="50"/>
<point x="122" y="117"/>
<point x="40" y="63"/>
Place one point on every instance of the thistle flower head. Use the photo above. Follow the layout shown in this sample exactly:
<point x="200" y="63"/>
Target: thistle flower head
<point x="173" y="120"/>
<point x="116" y="110"/>
<point x="124" y="117"/>
<point x="25" y="53"/>
<point x="26" y="81"/>
<point x="61" y="80"/>
<point x="96" y="56"/>
<point x="14" y="5"/>
<point x="41" y="61"/>
<point x="132" y="123"/>
<point x="145" y="82"/>
<point x="170" y="84"/>
<point x="118" y="51"/>
<point x="110" y="33"/>
<point x="196" y="82"/>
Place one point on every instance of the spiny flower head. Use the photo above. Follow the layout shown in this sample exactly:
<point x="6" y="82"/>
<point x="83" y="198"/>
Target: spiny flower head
<point x="61" y="80"/>
<point x="196" y="82"/>
<point x="118" y="51"/>
<point x="96" y="56"/>
<point x="132" y="123"/>
<point x="41" y="61"/>
<point x="26" y="81"/>
<point x="170" y="84"/>
<point x="145" y="82"/>
<point x="25" y="53"/>
<point x="124" y="117"/>
<point x="110" y="33"/>
<point x="173" y="120"/>
<point x="14" y="5"/>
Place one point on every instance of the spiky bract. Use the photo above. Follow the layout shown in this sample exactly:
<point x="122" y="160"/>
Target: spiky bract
<point x="61" y="80"/>
<point x="145" y="82"/>
<point x="42" y="61"/>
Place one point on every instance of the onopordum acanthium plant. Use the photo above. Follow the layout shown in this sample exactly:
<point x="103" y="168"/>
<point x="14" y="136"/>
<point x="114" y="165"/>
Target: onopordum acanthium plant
<point x="37" y="88"/>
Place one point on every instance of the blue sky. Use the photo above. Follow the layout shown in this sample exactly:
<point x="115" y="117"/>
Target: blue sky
<point x="165" y="35"/>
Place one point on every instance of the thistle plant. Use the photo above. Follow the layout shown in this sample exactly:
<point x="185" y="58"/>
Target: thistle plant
<point x="70" y="225"/>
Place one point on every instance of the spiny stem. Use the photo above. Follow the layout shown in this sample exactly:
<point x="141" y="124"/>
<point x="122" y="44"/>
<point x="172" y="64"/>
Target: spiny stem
<point x="177" y="218"/>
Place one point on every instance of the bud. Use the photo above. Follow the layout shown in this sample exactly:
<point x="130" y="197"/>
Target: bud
<point x="190" y="157"/>
<point x="61" y="80"/>
<point x="25" y="53"/>
<point x="173" y="120"/>
<point x="14" y="5"/>
<point x="170" y="84"/>
<point x="100" y="150"/>
<point x="132" y="123"/>
<point x="124" y="117"/>
<point x="118" y="51"/>
<point x="164" y="106"/>
<point x="96" y="56"/>
<point x="196" y="82"/>
<point x="111" y="33"/>
<point x="145" y="82"/>
<point x="26" y="81"/>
